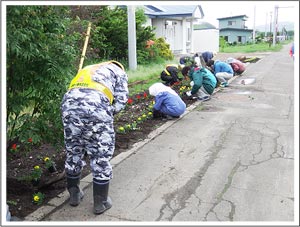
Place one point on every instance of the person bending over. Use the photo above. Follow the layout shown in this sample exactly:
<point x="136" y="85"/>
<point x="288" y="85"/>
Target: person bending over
<point x="168" y="103"/>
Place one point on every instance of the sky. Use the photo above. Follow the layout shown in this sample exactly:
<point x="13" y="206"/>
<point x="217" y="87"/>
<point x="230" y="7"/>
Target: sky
<point x="258" y="12"/>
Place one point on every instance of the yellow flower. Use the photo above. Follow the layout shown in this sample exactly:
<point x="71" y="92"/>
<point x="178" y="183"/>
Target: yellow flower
<point x="150" y="113"/>
<point x="36" y="167"/>
<point x="36" y="198"/>
<point x="46" y="159"/>
<point x="121" y="129"/>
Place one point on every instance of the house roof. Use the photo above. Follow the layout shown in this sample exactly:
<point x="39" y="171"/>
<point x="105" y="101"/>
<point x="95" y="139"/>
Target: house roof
<point x="204" y="26"/>
<point x="236" y="29"/>
<point x="164" y="11"/>
<point x="239" y="16"/>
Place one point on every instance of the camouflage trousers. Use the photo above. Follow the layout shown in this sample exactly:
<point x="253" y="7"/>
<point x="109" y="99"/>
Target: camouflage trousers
<point x="90" y="132"/>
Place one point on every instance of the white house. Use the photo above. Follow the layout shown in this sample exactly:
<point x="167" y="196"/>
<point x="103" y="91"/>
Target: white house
<point x="175" y="23"/>
<point x="205" y="38"/>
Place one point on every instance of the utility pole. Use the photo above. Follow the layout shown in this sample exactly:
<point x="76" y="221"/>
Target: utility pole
<point x="266" y="27"/>
<point x="131" y="37"/>
<point x="270" y="23"/>
<point x="275" y="29"/>
<point x="275" y="25"/>
<point x="254" y="25"/>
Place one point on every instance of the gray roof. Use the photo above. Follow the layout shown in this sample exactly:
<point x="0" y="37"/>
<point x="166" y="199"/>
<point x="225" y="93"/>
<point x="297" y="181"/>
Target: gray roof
<point x="244" y="17"/>
<point x="171" y="10"/>
<point x="203" y="26"/>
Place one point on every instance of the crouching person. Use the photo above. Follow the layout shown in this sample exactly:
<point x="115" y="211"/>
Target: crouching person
<point x="222" y="70"/>
<point x="237" y="66"/>
<point x="203" y="82"/>
<point x="170" y="75"/>
<point x="95" y="94"/>
<point x="168" y="103"/>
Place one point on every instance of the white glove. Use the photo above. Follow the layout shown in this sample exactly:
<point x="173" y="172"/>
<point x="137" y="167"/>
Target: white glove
<point x="189" y="93"/>
<point x="192" y="83"/>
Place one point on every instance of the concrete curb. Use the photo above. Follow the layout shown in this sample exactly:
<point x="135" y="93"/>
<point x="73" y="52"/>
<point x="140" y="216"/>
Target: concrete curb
<point x="62" y="198"/>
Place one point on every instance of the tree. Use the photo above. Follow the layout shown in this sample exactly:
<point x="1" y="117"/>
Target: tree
<point x="109" y="39"/>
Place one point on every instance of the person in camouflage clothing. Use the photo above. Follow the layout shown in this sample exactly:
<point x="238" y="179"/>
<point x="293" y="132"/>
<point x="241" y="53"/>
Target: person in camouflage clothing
<point x="95" y="94"/>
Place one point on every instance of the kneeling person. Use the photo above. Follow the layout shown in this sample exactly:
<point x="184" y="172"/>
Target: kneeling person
<point x="168" y="103"/>
<point x="202" y="80"/>
<point x="170" y="74"/>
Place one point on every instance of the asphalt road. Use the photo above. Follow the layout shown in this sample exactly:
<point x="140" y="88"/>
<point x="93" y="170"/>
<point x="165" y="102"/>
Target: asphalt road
<point x="230" y="159"/>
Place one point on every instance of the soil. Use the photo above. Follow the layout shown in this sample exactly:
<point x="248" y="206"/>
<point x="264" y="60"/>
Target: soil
<point x="20" y="164"/>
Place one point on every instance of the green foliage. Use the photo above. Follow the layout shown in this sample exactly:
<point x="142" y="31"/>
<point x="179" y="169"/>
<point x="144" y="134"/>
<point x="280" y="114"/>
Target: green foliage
<point x="164" y="49"/>
<point x="222" y="43"/>
<point x="40" y="54"/>
<point x="251" y="47"/>
<point x="44" y="45"/>
<point x="109" y="39"/>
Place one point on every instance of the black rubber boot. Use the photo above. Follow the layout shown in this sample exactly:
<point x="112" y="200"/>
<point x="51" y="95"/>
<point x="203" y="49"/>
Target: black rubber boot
<point x="102" y="201"/>
<point x="76" y="194"/>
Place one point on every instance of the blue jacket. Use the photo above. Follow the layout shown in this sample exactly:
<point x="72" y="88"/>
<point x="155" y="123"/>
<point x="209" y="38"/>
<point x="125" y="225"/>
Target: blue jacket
<point x="221" y="66"/>
<point x="169" y="104"/>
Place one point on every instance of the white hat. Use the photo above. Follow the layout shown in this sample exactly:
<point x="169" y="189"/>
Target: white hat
<point x="198" y="62"/>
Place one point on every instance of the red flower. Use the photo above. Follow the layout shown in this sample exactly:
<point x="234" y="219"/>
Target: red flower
<point x="30" y="140"/>
<point x="14" y="146"/>
<point x="145" y="95"/>
<point x="138" y="96"/>
<point x="129" y="101"/>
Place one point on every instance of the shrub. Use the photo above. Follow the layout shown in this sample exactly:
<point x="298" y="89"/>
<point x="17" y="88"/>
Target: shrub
<point x="40" y="54"/>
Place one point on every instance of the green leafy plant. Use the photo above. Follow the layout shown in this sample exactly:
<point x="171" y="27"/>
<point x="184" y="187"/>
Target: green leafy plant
<point x="38" y="198"/>
<point x="144" y="117"/>
<point x="128" y="127"/>
<point x="134" y="125"/>
<point x="150" y="114"/>
<point x="40" y="50"/>
<point x="14" y="148"/>
<point x="48" y="162"/>
<point x="121" y="129"/>
<point x="36" y="173"/>
<point x="165" y="51"/>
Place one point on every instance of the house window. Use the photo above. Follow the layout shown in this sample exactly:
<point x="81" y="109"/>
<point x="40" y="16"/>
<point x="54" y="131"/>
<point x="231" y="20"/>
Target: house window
<point x="231" y="22"/>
